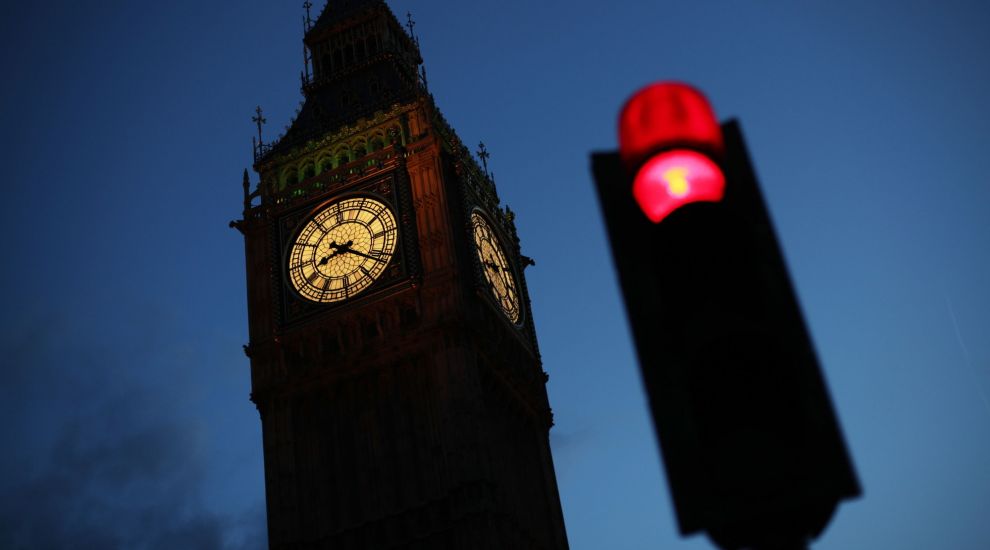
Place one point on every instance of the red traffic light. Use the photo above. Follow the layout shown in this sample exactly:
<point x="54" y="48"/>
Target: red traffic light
<point x="669" y="136"/>
<point x="674" y="178"/>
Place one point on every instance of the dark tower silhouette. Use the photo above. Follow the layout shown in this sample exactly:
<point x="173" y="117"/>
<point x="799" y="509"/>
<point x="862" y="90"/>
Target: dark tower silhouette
<point x="393" y="354"/>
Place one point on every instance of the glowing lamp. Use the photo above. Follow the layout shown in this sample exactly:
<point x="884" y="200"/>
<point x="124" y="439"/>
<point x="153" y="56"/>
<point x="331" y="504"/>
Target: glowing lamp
<point x="668" y="137"/>
<point x="675" y="178"/>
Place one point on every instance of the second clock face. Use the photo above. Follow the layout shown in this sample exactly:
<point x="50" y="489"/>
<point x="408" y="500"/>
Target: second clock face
<point x="498" y="271"/>
<point x="342" y="249"/>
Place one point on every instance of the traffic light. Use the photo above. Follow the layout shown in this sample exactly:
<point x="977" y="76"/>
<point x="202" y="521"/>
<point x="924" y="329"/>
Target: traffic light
<point x="670" y="139"/>
<point x="752" y="449"/>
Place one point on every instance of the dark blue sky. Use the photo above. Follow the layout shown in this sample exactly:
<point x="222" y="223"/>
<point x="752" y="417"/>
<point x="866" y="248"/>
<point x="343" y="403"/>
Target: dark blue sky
<point x="126" y="125"/>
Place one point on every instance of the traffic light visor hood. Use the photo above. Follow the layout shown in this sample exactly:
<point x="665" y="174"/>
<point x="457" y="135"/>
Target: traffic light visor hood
<point x="667" y="115"/>
<point x="670" y="143"/>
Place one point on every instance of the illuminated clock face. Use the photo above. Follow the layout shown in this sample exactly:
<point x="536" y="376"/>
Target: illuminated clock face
<point x="498" y="272"/>
<point x="342" y="250"/>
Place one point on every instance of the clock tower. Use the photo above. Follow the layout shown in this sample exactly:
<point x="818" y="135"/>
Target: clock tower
<point x="394" y="360"/>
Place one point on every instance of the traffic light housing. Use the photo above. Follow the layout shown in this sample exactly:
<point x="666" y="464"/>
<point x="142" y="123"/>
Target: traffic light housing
<point x="753" y="451"/>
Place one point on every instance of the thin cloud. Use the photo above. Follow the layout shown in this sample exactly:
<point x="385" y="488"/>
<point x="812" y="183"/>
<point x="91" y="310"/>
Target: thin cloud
<point x="105" y="461"/>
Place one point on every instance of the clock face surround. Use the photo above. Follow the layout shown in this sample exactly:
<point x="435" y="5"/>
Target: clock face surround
<point x="497" y="269"/>
<point x="342" y="249"/>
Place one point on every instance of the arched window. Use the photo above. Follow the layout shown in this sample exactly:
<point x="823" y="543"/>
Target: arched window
<point x="393" y="135"/>
<point x="324" y="164"/>
<point x="290" y="178"/>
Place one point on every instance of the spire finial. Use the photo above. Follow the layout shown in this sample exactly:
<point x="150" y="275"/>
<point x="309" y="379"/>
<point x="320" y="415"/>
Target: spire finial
<point x="308" y="21"/>
<point x="306" y="59"/>
<point x="411" y="25"/>
<point x="483" y="155"/>
<point x="259" y="120"/>
<point x="247" y="191"/>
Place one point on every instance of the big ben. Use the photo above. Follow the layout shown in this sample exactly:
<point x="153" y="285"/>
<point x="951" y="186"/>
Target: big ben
<point x="394" y="360"/>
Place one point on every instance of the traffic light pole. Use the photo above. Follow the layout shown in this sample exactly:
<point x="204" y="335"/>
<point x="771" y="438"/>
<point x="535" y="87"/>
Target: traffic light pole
<point x="753" y="452"/>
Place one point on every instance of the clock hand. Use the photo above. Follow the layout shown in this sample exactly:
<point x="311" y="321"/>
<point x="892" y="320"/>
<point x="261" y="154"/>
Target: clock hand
<point x="491" y="263"/>
<point x="352" y="251"/>
<point x="339" y="249"/>
<point x="334" y="244"/>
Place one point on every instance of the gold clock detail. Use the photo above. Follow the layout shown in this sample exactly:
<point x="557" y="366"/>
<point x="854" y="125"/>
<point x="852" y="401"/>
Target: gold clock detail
<point x="498" y="271"/>
<point x="342" y="249"/>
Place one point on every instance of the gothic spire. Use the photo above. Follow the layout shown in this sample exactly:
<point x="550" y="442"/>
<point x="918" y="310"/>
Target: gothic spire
<point x="336" y="11"/>
<point x="357" y="59"/>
